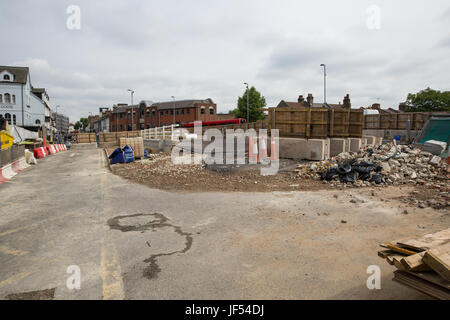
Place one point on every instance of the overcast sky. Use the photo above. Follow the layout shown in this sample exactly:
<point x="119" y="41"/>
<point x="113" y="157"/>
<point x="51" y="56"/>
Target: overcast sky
<point x="208" y="48"/>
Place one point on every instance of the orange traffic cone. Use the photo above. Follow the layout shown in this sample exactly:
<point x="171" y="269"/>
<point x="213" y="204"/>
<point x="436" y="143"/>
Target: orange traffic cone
<point x="273" y="150"/>
<point x="252" y="150"/>
<point x="263" y="147"/>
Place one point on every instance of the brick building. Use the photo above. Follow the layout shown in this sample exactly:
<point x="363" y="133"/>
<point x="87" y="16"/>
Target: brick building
<point x="147" y="114"/>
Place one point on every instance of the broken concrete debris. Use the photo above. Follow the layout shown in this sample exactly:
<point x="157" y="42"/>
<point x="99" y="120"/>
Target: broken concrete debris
<point x="435" y="147"/>
<point x="387" y="164"/>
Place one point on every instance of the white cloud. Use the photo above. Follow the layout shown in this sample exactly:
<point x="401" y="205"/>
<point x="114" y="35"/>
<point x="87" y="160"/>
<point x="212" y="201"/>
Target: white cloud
<point x="207" y="49"/>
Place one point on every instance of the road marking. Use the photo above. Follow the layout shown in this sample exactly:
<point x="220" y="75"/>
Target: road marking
<point x="73" y="154"/>
<point x="5" y="233"/>
<point x="14" y="252"/>
<point x="111" y="274"/>
<point x="110" y="271"/>
<point x="16" y="278"/>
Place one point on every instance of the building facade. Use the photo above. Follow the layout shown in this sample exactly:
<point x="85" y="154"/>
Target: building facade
<point x="147" y="114"/>
<point x="18" y="104"/>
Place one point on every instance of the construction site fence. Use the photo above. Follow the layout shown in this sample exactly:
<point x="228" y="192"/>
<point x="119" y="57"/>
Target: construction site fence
<point x="318" y="123"/>
<point x="11" y="154"/>
<point x="399" y="121"/>
<point x="105" y="136"/>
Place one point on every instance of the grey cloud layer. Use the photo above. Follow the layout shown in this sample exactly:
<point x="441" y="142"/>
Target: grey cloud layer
<point x="201" y="49"/>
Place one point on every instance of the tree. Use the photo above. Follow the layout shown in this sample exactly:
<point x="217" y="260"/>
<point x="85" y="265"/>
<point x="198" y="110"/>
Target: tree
<point x="81" y="124"/>
<point x="428" y="100"/>
<point x="256" y="102"/>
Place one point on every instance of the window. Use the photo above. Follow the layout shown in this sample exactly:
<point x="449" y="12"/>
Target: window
<point x="177" y="112"/>
<point x="7" y="98"/>
<point x="120" y="115"/>
<point x="202" y="110"/>
<point x="211" y="110"/>
<point x="14" y="99"/>
<point x="153" y="113"/>
<point x="37" y="121"/>
<point x="171" y="112"/>
<point x="167" y="112"/>
<point x="121" y="127"/>
<point x="161" y="113"/>
<point x="8" y="117"/>
<point x="182" y="111"/>
<point x="148" y="112"/>
<point x="188" y="111"/>
<point x="1" y="99"/>
<point x="6" y="77"/>
<point x="14" y="119"/>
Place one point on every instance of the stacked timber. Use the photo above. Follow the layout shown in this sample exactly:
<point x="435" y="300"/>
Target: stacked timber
<point x="422" y="263"/>
<point x="136" y="143"/>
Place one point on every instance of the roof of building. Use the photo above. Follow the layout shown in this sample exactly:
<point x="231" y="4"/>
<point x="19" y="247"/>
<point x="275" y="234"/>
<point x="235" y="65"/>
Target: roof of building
<point x="181" y="103"/>
<point x="37" y="90"/>
<point x="20" y="73"/>
<point x="165" y="105"/>
<point x="314" y="105"/>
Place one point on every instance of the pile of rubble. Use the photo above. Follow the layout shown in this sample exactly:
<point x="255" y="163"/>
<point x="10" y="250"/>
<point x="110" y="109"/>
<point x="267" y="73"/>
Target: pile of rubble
<point x="387" y="164"/>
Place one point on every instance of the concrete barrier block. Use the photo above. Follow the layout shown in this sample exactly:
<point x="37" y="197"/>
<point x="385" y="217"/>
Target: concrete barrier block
<point x="337" y="146"/>
<point x="319" y="149"/>
<point x="355" y="144"/>
<point x="371" y="140"/>
<point x="363" y="143"/>
<point x="293" y="148"/>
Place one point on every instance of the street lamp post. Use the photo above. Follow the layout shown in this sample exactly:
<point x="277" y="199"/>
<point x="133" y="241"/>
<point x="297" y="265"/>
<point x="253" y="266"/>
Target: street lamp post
<point x="324" y="82"/>
<point x="248" y="115"/>
<point x="173" y="97"/>
<point x="132" y="110"/>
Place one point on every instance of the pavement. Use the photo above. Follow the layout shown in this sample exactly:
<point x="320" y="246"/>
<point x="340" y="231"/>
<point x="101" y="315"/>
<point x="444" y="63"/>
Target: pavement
<point x="131" y="242"/>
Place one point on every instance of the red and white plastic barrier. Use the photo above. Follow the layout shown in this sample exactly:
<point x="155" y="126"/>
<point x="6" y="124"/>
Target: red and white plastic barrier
<point x="10" y="170"/>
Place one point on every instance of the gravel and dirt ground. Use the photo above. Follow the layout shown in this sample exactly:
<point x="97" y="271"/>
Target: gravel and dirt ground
<point x="160" y="173"/>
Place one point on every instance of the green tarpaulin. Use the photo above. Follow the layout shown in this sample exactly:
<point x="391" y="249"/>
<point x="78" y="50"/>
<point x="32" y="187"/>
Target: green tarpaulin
<point x="438" y="129"/>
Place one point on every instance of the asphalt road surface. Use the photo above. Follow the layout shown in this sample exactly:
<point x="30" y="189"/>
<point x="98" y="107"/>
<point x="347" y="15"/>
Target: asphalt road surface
<point x="128" y="241"/>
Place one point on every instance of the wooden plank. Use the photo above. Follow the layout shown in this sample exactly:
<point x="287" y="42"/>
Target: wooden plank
<point x="428" y="241"/>
<point x="422" y="285"/>
<point x="385" y="253"/>
<point x="432" y="277"/>
<point x="415" y="263"/>
<point x="439" y="260"/>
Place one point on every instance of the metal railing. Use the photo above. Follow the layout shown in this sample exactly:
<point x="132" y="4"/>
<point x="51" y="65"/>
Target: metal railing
<point x="164" y="132"/>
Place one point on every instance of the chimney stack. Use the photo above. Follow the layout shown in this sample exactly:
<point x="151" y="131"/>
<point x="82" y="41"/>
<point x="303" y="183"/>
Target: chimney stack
<point x="376" y="106"/>
<point x="310" y="99"/>
<point x="346" y="102"/>
<point x="300" y="99"/>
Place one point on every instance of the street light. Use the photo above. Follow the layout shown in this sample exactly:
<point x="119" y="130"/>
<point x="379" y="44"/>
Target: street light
<point x="248" y="115"/>
<point x="173" y="97"/>
<point x="132" y="109"/>
<point x="324" y="82"/>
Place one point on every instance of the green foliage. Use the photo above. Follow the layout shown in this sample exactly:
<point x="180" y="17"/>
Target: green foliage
<point x="428" y="100"/>
<point x="81" y="124"/>
<point x="77" y="125"/>
<point x="256" y="102"/>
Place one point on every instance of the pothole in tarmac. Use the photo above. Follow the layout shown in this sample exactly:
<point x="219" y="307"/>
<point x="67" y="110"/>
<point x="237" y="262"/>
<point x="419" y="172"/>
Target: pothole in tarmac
<point x="143" y="222"/>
